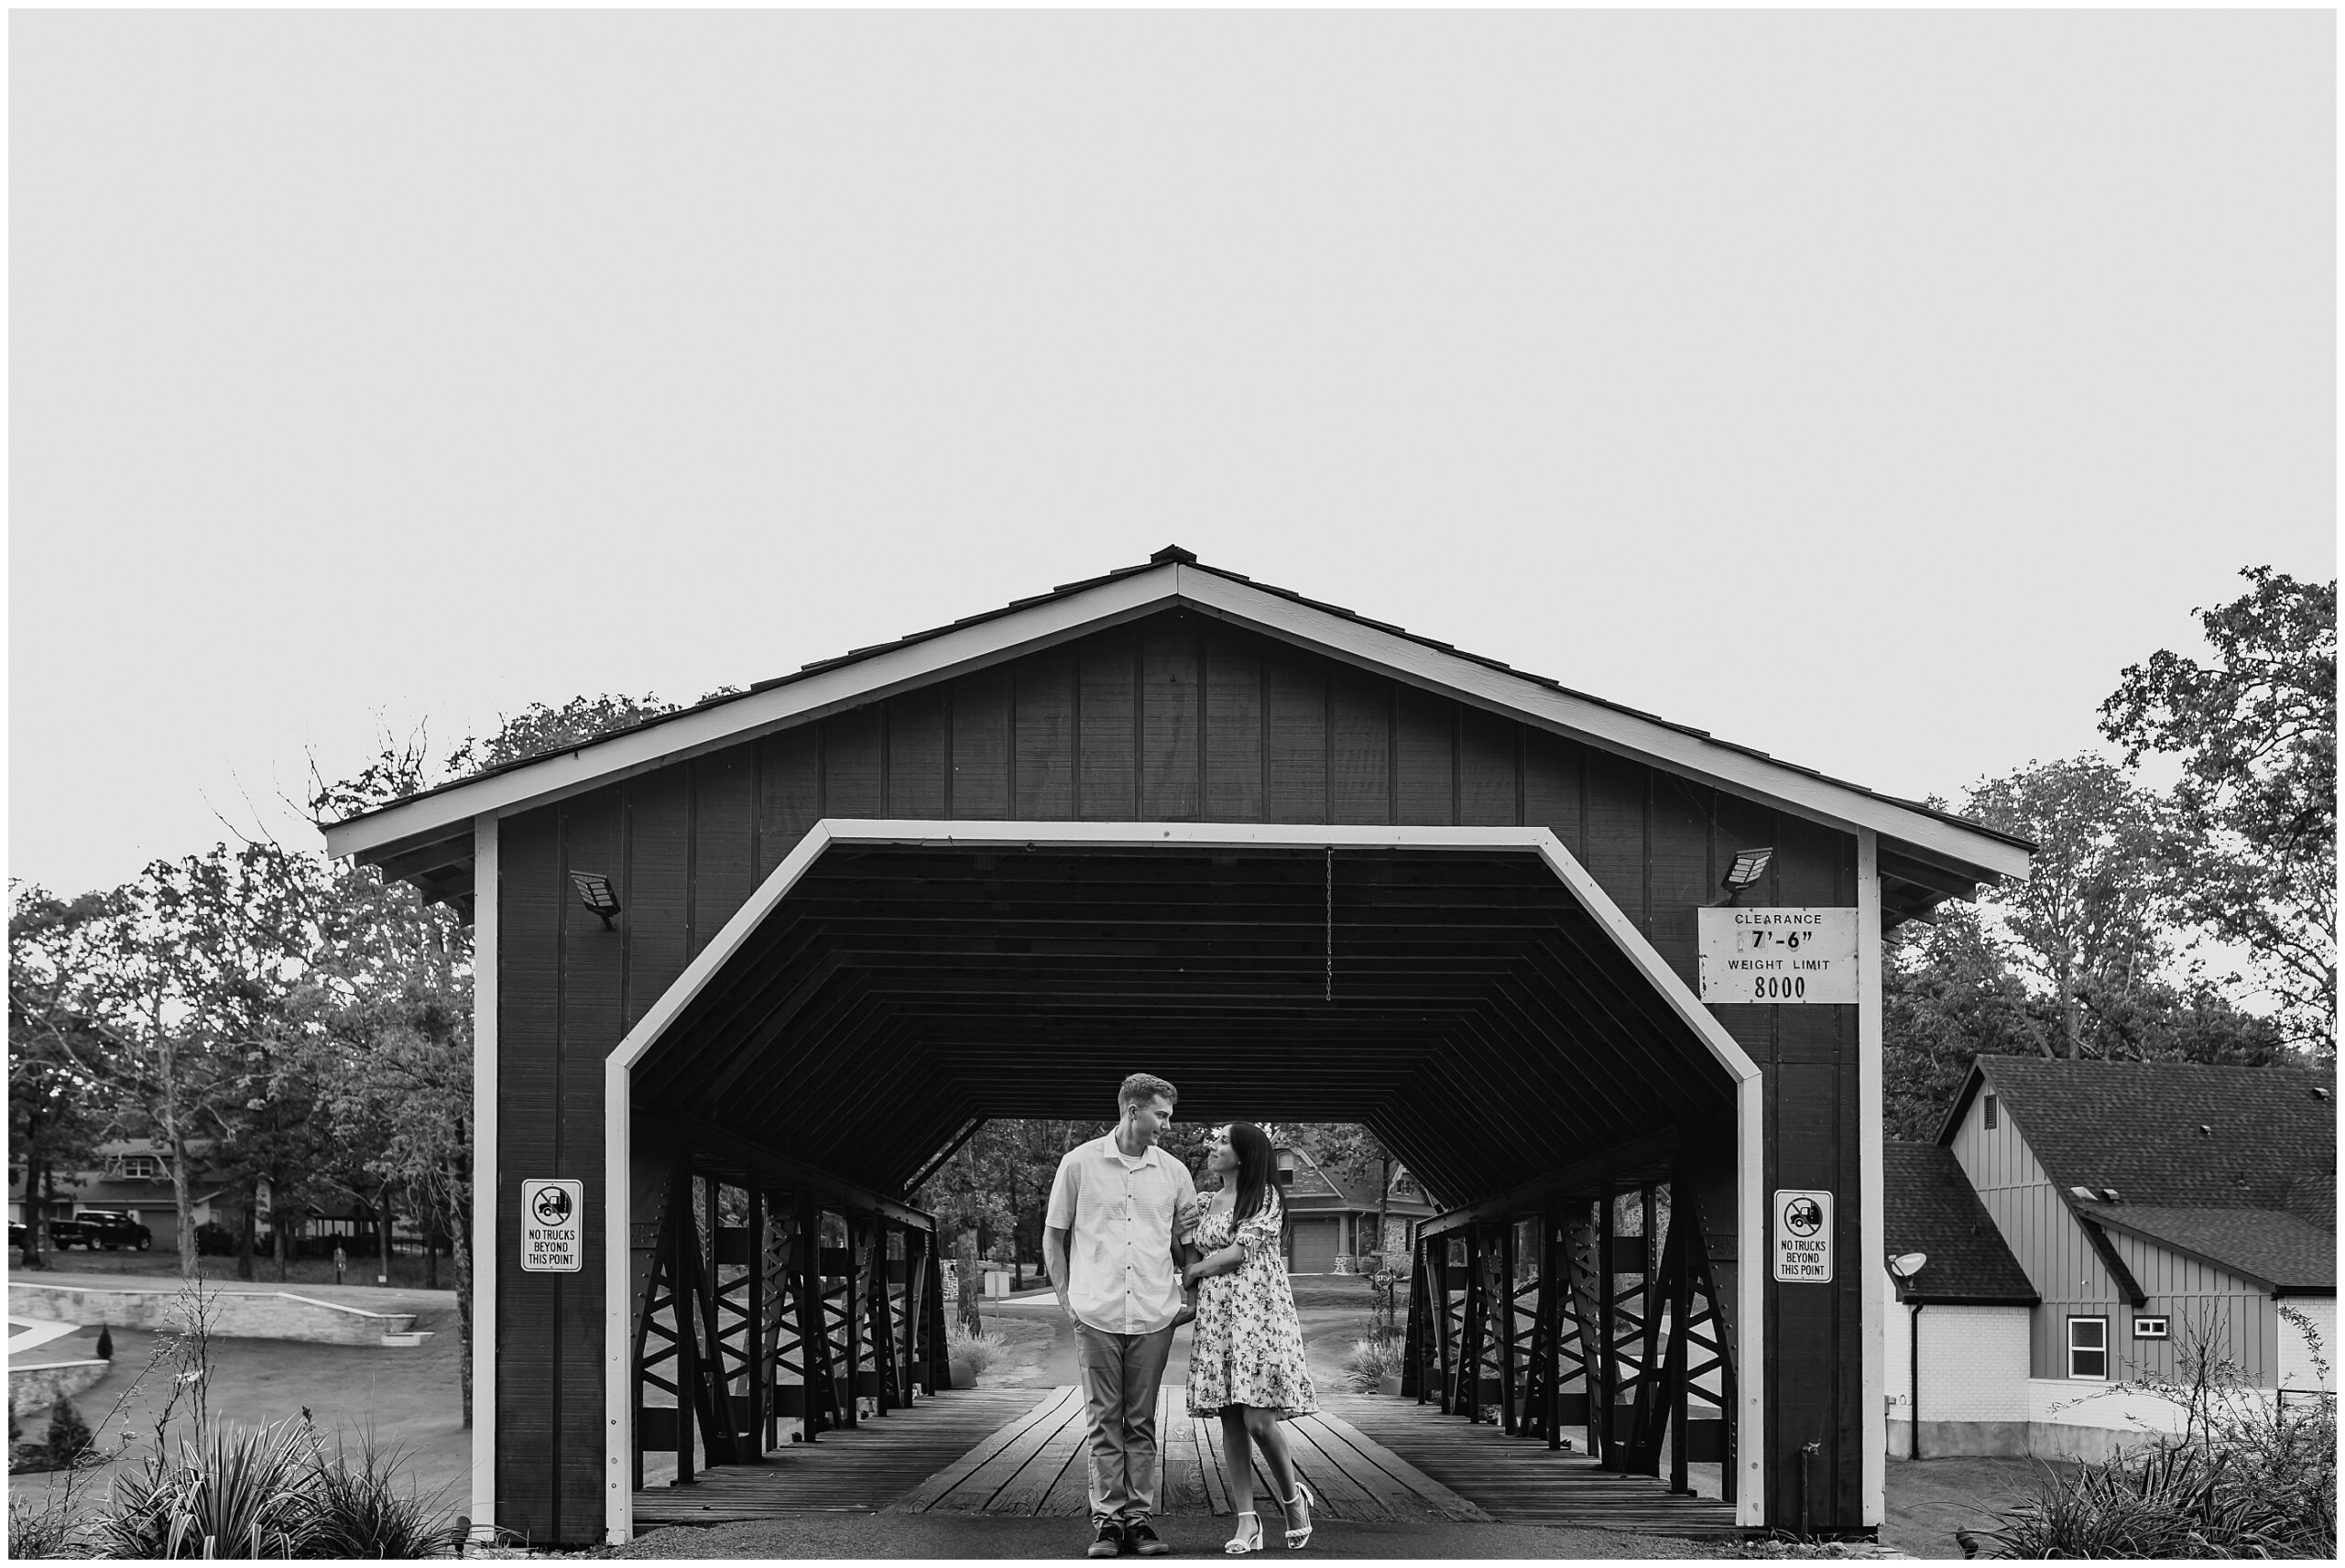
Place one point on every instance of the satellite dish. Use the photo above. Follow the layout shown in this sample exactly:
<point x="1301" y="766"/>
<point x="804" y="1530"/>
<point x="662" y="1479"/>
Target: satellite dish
<point x="1905" y="1265"/>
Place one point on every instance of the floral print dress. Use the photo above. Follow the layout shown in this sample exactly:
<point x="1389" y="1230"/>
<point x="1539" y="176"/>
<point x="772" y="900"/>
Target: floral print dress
<point x="1247" y="1349"/>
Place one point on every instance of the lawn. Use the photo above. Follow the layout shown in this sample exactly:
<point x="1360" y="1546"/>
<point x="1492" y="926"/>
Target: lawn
<point x="406" y="1397"/>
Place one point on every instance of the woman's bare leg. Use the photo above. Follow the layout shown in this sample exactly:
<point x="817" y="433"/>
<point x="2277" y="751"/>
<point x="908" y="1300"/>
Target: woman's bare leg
<point x="1262" y="1426"/>
<point x="1237" y="1459"/>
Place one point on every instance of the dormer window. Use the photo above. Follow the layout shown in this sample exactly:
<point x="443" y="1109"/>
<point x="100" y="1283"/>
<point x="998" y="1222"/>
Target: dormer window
<point x="143" y="1167"/>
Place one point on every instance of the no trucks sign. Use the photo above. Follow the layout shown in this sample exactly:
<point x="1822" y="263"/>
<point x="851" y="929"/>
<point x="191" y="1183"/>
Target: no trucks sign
<point x="1804" y="1237"/>
<point x="1778" y="955"/>
<point x="553" y="1223"/>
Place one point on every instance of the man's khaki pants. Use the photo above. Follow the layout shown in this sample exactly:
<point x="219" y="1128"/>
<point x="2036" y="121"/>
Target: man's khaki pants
<point x="1121" y="1373"/>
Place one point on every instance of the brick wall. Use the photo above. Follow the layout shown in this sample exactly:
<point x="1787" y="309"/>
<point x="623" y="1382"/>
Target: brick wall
<point x="1974" y="1363"/>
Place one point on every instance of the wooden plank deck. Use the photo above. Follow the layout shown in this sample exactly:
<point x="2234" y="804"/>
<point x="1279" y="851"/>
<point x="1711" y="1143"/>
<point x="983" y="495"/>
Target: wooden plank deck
<point x="1522" y="1481"/>
<point x="1035" y="1466"/>
<point x="1020" y="1452"/>
<point x="859" y="1471"/>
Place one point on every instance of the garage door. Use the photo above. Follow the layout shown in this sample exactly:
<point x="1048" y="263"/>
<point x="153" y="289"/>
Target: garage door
<point x="1316" y="1243"/>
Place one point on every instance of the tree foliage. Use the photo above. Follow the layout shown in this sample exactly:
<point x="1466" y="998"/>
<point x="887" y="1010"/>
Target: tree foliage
<point x="2254" y="727"/>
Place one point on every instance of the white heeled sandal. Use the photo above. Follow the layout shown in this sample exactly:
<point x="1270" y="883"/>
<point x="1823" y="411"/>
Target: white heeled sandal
<point x="1296" y="1539"/>
<point x="1248" y="1537"/>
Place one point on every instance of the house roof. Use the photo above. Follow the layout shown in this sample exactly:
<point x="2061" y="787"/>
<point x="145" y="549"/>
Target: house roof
<point x="1320" y="1187"/>
<point x="1930" y="1207"/>
<point x="2279" y="1250"/>
<point x="1932" y="855"/>
<point x="135" y="1192"/>
<point x="2169" y="1133"/>
<point x="2234" y="1165"/>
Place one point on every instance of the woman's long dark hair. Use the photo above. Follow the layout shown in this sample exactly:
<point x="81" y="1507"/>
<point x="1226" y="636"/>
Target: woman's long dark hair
<point x="1252" y="1147"/>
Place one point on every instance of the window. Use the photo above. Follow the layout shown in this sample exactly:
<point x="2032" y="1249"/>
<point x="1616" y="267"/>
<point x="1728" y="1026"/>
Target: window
<point x="2149" y="1328"/>
<point x="2089" y="1348"/>
<point x="1990" y="1113"/>
<point x="141" y="1165"/>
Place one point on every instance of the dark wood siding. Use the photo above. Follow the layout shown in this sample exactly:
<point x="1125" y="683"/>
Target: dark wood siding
<point x="1177" y="717"/>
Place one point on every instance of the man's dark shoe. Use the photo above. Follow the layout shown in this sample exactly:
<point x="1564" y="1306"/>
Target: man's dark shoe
<point x="1138" y="1537"/>
<point x="1110" y="1540"/>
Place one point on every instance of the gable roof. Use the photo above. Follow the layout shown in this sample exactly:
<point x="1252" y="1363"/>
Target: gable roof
<point x="1319" y="1185"/>
<point x="2279" y="1250"/>
<point x="2135" y="1126"/>
<point x="2236" y="1166"/>
<point x="1937" y="854"/>
<point x="1930" y="1207"/>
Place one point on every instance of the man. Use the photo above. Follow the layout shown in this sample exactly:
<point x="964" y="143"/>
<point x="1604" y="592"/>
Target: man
<point x="1119" y="1208"/>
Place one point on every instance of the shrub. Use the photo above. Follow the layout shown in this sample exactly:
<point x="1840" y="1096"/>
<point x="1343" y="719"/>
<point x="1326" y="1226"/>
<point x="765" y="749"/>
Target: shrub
<point x="2247" y="1475"/>
<point x="213" y="1240"/>
<point x="360" y="1510"/>
<point x="237" y="1492"/>
<point x="69" y="1434"/>
<point x="2169" y="1501"/>
<point x="977" y="1350"/>
<point x="36" y="1532"/>
<point x="105" y="1343"/>
<point x="1371" y="1361"/>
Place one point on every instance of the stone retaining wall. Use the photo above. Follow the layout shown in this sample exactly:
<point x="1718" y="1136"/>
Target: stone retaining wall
<point x="32" y="1389"/>
<point x="275" y="1314"/>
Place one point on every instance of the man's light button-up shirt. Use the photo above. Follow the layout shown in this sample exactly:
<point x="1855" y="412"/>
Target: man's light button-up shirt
<point x="1121" y="1214"/>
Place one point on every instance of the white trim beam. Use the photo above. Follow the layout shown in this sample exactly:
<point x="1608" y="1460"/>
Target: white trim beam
<point x="1058" y="620"/>
<point x="1873" y="1235"/>
<point x="1677" y="751"/>
<point x="485" y="926"/>
<point x="619" y="1067"/>
<point x="848" y="685"/>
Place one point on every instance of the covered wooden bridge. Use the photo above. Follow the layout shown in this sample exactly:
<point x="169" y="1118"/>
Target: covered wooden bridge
<point x="749" y="973"/>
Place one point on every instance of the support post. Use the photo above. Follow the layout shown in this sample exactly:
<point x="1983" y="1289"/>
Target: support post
<point x="814" y="1338"/>
<point x="679" y="1293"/>
<point x="753" y="1331"/>
<point x="1607" y="1328"/>
<point x="1552" y="1288"/>
<point x="1414" y="1339"/>
<point x="1507" y="1423"/>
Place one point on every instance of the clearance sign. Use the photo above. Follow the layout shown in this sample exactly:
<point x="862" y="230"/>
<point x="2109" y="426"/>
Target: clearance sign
<point x="1778" y="955"/>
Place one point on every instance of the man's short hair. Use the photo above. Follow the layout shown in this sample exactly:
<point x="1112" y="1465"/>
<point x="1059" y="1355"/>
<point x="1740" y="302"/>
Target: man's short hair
<point x="1142" y="1087"/>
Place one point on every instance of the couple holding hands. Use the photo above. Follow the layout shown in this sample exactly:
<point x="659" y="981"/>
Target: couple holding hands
<point x="1134" y="1253"/>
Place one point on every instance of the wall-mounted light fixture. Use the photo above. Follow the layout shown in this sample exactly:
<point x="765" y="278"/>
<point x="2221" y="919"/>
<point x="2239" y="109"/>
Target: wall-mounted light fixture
<point x="594" y="892"/>
<point x="1749" y="864"/>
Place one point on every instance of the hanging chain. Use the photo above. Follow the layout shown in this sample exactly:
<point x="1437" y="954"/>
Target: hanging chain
<point x="1331" y="923"/>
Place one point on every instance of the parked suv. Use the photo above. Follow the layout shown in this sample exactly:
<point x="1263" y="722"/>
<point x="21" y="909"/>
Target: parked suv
<point x="95" y="1228"/>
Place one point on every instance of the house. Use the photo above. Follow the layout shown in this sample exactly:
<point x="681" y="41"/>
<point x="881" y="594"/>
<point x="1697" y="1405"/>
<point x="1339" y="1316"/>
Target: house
<point x="2153" y="1208"/>
<point x="1330" y="1212"/>
<point x="1960" y="1324"/>
<point x="130" y="1175"/>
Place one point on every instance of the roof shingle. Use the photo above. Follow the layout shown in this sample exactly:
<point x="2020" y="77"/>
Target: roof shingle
<point x="2277" y="1249"/>
<point x="1930" y="1207"/>
<point x="2174" y="1134"/>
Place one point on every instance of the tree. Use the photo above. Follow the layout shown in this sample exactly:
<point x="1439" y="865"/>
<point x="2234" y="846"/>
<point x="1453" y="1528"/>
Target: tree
<point x="2255" y="730"/>
<point x="2098" y="912"/>
<point x="385" y="1012"/>
<point x="53" y="1112"/>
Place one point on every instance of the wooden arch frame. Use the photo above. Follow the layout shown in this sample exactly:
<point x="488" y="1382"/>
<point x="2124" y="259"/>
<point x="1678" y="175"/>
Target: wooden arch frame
<point x="617" y="1081"/>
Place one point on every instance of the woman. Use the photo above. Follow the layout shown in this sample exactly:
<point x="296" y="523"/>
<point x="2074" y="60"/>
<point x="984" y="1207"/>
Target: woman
<point x="1245" y="1362"/>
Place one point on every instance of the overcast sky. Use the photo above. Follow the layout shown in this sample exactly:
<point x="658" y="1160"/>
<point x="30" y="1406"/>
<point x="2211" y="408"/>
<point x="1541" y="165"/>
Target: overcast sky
<point x="1868" y="388"/>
